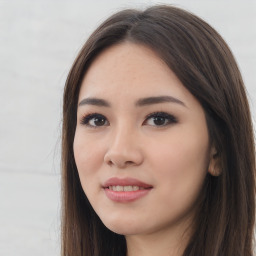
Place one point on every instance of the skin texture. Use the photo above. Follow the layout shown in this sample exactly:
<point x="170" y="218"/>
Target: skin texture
<point x="173" y="158"/>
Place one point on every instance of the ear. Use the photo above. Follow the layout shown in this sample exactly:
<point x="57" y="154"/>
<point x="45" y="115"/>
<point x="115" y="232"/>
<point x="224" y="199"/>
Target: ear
<point x="214" y="165"/>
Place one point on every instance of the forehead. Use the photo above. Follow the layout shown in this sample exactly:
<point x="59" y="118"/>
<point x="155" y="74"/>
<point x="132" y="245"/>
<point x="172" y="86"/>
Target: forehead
<point x="129" y="70"/>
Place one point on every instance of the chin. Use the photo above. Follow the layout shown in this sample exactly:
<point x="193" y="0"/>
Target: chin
<point x="123" y="227"/>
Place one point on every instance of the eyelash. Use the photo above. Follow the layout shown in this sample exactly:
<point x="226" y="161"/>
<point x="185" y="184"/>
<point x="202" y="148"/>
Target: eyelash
<point x="87" y="118"/>
<point x="169" y="119"/>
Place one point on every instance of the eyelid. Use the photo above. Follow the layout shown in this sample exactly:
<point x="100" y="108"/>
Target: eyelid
<point x="87" y="117"/>
<point x="171" y="118"/>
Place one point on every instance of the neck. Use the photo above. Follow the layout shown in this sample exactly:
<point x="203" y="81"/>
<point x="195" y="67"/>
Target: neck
<point x="164" y="243"/>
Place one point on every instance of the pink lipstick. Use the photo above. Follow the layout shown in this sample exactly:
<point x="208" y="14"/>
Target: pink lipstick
<point x="125" y="190"/>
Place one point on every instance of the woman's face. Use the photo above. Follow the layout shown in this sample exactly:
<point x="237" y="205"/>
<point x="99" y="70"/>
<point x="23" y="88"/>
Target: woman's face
<point x="141" y="144"/>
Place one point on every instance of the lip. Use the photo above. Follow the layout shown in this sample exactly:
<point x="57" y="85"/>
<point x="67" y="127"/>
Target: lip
<point x="125" y="182"/>
<point x="126" y="196"/>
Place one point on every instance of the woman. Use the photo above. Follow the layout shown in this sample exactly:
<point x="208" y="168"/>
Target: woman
<point x="158" y="151"/>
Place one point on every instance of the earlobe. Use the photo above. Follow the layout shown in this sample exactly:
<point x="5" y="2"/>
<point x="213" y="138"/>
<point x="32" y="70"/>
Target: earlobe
<point x="214" y="165"/>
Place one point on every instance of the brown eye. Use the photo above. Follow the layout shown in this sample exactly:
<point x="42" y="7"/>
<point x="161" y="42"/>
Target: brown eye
<point x="160" y="119"/>
<point x="94" y="120"/>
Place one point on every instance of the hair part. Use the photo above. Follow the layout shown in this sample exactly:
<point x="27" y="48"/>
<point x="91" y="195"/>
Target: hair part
<point x="202" y="61"/>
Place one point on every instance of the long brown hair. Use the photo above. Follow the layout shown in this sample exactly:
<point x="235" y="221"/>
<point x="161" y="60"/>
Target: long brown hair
<point x="202" y="61"/>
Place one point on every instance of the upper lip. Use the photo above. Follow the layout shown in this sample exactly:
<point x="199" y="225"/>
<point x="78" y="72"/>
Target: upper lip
<point x="125" y="182"/>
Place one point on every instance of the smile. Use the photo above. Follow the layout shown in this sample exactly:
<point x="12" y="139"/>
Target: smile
<point x="125" y="190"/>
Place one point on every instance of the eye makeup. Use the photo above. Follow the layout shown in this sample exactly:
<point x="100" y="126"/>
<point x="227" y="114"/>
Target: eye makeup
<point x="158" y="119"/>
<point x="94" y="120"/>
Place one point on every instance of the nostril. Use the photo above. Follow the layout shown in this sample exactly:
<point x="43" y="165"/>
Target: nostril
<point x="119" y="162"/>
<point x="109" y="162"/>
<point x="129" y="162"/>
<point x="123" y="158"/>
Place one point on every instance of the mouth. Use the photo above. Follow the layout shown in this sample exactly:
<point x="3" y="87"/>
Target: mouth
<point x="125" y="190"/>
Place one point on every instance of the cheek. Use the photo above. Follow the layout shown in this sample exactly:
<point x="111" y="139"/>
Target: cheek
<point x="88" y="157"/>
<point x="181" y="150"/>
<point x="181" y="162"/>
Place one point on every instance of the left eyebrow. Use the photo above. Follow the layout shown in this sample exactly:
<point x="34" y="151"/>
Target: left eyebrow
<point x="95" y="102"/>
<point x="157" y="100"/>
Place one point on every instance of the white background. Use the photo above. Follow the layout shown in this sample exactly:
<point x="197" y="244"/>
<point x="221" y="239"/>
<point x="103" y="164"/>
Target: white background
<point x="38" y="43"/>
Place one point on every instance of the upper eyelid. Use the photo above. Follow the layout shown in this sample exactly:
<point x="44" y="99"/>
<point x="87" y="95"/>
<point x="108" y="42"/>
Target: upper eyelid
<point x="90" y="116"/>
<point x="148" y="116"/>
<point x="155" y="113"/>
<point x="161" y="113"/>
<point x="172" y="118"/>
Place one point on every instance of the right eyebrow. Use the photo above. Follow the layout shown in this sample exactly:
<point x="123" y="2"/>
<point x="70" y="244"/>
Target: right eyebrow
<point x="95" y="102"/>
<point x="157" y="100"/>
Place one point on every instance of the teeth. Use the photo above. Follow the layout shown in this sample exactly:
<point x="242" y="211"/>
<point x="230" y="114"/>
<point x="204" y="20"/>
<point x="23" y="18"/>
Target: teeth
<point x="119" y="188"/>
<point x="125" y="188"/>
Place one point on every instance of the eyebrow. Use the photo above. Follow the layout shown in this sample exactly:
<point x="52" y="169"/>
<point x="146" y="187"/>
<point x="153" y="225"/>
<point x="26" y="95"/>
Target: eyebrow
<point x="95" y="102"/>
<point x="157" y="100"/>
<point x="139" y="103"/>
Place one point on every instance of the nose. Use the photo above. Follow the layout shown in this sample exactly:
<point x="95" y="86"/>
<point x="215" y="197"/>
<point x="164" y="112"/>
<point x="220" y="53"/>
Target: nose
<point x="124" y="149"/>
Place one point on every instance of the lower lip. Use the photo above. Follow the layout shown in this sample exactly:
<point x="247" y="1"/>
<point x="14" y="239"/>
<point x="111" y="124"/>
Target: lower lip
<point x="125" y="196"/>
